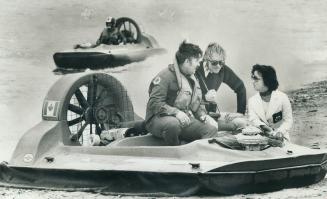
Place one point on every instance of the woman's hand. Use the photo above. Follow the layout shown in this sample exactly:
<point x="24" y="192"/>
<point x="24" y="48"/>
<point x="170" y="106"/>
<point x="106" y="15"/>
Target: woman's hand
<point x="266" y="129"/>
<point x="277" y="135"/>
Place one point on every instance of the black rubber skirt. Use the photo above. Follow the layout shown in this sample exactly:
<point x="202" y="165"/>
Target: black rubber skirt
<point x="91" y="60"/>
<point x="159" y="183"/>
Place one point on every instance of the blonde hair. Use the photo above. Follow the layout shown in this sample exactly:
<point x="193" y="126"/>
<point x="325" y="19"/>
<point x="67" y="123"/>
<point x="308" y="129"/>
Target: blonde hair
<point x="212" y="49"/>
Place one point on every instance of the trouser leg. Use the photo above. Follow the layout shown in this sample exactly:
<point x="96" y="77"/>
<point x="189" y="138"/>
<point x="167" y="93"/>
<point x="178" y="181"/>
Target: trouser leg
<point x="224" y="125"/>
<point x="198" y="130"/>
<point x="232" y="122"/>
<point x="166" y="127"/>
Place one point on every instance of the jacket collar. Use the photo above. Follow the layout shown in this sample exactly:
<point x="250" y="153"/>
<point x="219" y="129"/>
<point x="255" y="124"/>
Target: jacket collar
<point x="175" y="68"/>
<point x="271" y="106"/>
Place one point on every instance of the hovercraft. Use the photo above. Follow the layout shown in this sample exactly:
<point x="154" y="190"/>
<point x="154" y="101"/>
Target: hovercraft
<point x="137" y="47"/>
<point x="67" y="151"/>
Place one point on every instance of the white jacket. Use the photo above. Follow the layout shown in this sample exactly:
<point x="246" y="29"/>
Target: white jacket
<point x="279" y="112"/>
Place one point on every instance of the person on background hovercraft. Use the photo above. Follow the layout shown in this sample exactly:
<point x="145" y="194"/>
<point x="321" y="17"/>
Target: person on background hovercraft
<point x="109" y="36"/>
<point x="110" y="33"/>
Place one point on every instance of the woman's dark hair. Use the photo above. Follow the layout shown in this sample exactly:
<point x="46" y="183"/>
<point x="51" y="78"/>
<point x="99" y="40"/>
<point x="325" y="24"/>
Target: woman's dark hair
<point x="187" y="51"/>
<point x="268" y="74"/>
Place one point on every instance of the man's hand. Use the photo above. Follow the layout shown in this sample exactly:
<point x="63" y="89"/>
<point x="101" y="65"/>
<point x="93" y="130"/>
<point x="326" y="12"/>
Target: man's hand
<point x="209" y="120"/>
<point x="183" y="118"/>
<point x="210" y="96"/>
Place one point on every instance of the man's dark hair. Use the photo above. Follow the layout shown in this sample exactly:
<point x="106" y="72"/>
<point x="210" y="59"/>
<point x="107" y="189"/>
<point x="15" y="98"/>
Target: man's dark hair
<point x="268" y="74"/>
<point x="187" y="51"/>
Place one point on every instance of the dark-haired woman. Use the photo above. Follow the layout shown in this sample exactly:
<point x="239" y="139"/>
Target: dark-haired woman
<point x="269" y="109"/>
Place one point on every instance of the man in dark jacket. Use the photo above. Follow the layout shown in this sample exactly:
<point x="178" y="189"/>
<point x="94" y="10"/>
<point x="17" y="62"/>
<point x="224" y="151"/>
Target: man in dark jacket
<point x="174" y="111"/>
<point x="110" y="36"/>
<point x="212" y="72"/>
<point x="110" y="33"/>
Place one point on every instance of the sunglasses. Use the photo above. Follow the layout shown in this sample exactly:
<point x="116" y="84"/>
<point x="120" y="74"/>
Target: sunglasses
<point x="215" y="63"/>
<point x="255" y="78"/>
